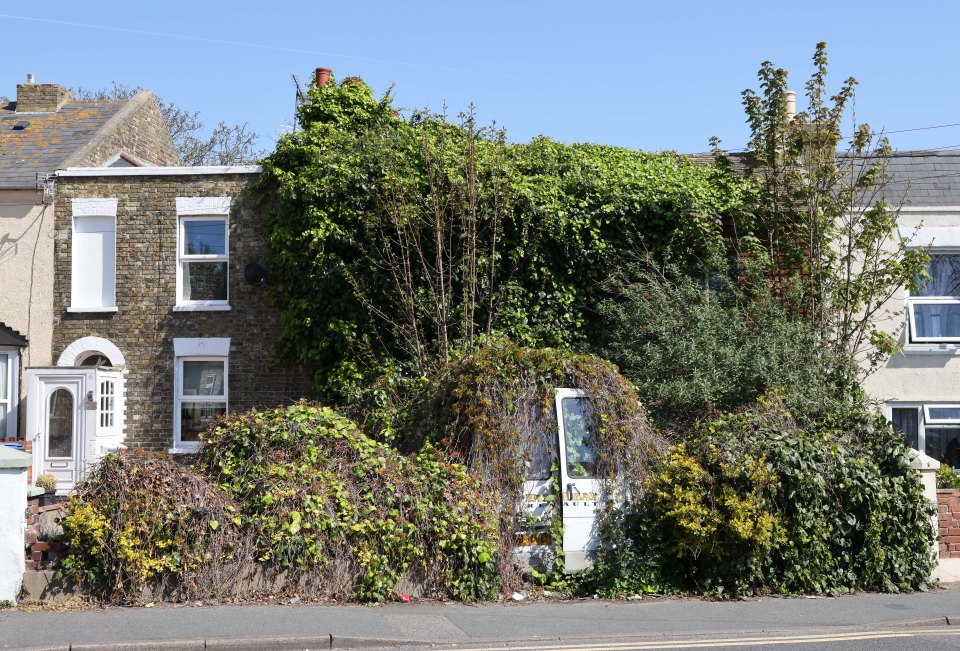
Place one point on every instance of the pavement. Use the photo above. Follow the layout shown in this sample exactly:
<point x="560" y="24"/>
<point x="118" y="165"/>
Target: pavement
<point x="866" y="619"/>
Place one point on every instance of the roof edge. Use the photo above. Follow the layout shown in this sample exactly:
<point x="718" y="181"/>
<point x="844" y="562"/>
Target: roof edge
<point x="74" y="172"/>
<point x="12" y="337"/>
<point x="110" y="125"/>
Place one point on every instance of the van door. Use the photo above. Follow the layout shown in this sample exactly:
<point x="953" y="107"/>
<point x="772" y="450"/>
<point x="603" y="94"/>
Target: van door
<point x="533" y="542"/>
<point x="579" y="485"/>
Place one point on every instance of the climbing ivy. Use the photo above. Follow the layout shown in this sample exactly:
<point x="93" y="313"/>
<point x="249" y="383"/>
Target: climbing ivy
<point x="399" y="240"/>
<point x="296" y="492"/>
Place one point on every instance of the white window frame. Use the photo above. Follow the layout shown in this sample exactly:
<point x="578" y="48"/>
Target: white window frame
<point x="929" y="420"/>
<point x="929" y="300"/>
<point x="86" y="208"/>
<point x="928" y="238"/>
<point x="183" y="258"/>
<point x="12" y="400"/>
<point x="197" y="349"/>
<point x="202" y="208"/>
<point x="923" y="422"/>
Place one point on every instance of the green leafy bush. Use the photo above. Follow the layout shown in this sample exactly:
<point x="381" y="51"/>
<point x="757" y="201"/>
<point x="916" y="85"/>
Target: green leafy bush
<point x="320" y="497"/>
<point x="752" y="503"/>
<point x="139" y="520"/>
<point x="947" y="477"/>
<point x="297" y="492"/>
<point x="695" y="349"/>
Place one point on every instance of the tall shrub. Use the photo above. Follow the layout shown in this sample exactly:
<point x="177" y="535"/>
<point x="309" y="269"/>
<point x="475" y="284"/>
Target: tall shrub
<point x="752" y="502"/>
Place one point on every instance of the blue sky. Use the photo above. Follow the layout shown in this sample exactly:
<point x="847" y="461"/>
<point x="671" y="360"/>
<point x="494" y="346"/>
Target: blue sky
<point x="663" y="75"/>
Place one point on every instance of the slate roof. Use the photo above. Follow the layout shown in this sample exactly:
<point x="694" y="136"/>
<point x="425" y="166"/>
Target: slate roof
<point x="49" y="139"/>
<point x="917" y="178"/>
<point x="924" y="178"/>
<point x="10" y="337"/>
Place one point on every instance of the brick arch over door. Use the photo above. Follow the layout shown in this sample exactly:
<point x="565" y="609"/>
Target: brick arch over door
<point x="86" y="345"/>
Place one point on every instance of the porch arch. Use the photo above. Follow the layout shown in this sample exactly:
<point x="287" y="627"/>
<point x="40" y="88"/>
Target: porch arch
<point x="86" y="345"/>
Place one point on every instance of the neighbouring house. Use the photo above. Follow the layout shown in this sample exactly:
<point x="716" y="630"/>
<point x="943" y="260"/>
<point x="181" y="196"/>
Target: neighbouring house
<point x="920" y="386"/>
<point x="161" y="314"/>
<point x="47" y="129"/>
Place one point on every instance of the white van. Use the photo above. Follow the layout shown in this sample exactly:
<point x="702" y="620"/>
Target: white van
<point x="572" y="444"/>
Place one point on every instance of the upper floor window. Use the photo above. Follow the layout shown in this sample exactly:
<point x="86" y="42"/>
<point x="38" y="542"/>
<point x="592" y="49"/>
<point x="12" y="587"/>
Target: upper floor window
<point x="203" y="261"/>
<point x="934" y="310"/>
<point x="93" y="269"/>
<point x="203" y="253"/>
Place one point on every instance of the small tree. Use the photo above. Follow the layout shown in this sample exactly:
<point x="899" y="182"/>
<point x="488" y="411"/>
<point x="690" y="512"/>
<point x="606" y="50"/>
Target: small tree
<point x="825" y="216"/>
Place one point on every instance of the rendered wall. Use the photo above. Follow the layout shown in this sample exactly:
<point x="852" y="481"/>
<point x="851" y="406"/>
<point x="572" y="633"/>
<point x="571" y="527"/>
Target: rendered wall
<point x="13" y="504"/>
<point x="917" y="375"/>
<point x="26" y="272"/>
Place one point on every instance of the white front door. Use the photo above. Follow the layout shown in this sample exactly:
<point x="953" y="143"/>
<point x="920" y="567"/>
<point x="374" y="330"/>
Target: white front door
<point x="61" y="414"/>
<point x="579" y="487"/>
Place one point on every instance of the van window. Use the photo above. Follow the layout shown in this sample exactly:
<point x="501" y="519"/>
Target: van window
<point x="581" y="455"/>
<point x="541" y="440"/>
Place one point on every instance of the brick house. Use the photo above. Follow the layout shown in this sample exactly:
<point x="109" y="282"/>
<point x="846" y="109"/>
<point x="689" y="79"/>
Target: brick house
<point x="46" y="129"/>
<point x="162" y="317"/>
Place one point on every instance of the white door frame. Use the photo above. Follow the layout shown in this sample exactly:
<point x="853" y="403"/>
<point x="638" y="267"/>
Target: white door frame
<point x="80" y="382"/>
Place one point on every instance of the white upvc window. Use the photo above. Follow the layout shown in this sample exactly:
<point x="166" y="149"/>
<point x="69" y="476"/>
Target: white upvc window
<point x="933" y="311"/>
<point x="933" y="428"/>
<point x="201" y="381"/>
<point x="203" y="253"/>
<point x="9" y="394"/>
<point x="93" y="268"/>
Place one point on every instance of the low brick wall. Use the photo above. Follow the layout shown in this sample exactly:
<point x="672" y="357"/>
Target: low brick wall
<point x="948" y="515"/>
<point x="43" y="527"/>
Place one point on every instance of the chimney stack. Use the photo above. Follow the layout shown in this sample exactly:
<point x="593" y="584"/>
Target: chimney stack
<point x="41" y="98"/>
<point x="322" y="76"/>
<point x="790" y="101"/>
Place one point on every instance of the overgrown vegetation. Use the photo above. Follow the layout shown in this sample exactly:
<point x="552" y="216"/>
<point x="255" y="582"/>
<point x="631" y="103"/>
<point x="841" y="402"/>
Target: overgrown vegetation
<point x="753" y="502"/>
<point x="494" y="411"/>
<point x="824" y="216"/>
<point x="947" y="477"/>
<point x="296" y="492"/>
<point x="442" y="283"/>
<point x="697" y="347"/>
<point x="400" y="240"/>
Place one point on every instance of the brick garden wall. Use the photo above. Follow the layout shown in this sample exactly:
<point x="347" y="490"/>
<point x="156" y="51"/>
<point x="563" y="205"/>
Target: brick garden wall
<point x="948" y="513"/>
<point x="145" y="324"/>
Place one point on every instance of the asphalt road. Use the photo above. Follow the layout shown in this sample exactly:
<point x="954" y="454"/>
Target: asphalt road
<point x="872" y="621"/>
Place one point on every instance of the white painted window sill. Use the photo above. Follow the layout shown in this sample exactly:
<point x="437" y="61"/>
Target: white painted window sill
<point x="190" y="450"/>
<point x="202" y="308"/>
<point x="932" y="349"/>
<point x="105" y="310"/>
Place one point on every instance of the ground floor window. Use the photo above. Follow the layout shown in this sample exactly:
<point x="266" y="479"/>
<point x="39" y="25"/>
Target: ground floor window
<point x="8" y="393"/>
<point x="931" y="427"/>
<point x="201" y="396"/>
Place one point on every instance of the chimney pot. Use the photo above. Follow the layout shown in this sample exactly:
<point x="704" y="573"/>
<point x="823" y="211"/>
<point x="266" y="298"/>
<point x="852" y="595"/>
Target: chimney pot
<point x="790" y="102"/>
<point x="322" y="76"/>
<point x="31" y="79"/>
